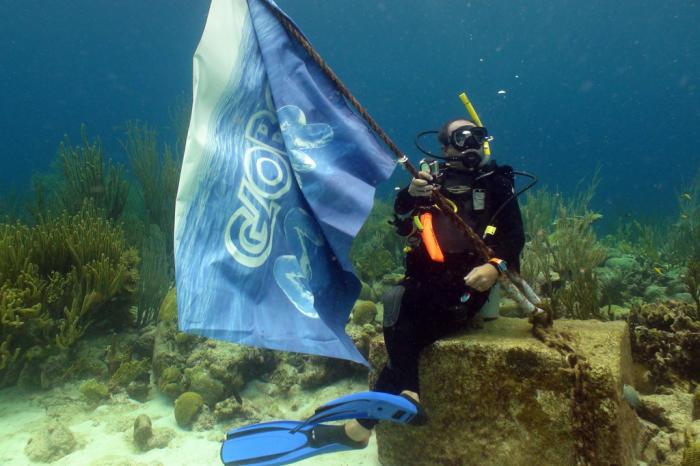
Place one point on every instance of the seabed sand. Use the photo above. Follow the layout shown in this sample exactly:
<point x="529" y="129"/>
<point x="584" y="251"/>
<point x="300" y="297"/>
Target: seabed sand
<point x="104" y="434"/>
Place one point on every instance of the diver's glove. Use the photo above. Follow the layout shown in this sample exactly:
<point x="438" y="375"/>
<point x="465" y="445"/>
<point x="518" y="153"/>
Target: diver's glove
<point x="420" y="186"/>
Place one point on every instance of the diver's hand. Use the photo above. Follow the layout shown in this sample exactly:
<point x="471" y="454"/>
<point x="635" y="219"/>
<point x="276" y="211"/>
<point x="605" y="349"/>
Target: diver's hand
<point x="420" y="187"/>
<point x="482" y="278"/>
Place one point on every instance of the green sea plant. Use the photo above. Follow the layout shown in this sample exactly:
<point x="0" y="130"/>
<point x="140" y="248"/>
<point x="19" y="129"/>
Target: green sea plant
<point x="562" y="250"/>
<point x="157" y="174"/>
<point x="57" y="279"/>
<point x="41" y="203"/>
<point x="10" y="203"/>
<point x="692" y="282"/>
<point x="684" y="237"/>
<point x="88" y="176"/>
<point x="646" y="241"/>
<point x="167" y="312"/>
<point x="574" y="254"/>
<point x="539" y="211"/>
<point x="377" y="249"/>
<point x="179" y="115"/>
<point x="156" y="277"/>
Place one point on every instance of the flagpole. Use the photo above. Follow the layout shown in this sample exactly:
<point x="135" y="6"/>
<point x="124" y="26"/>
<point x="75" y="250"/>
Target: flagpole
<point x="517" y="288"/>
<point x="514" y="284"/>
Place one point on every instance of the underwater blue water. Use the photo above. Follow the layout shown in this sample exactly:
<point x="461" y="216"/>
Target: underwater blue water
<point x="596" y="83"/>
<point x="98" y="62"/>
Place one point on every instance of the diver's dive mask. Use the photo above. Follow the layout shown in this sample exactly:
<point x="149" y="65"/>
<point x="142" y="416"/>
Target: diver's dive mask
<point x="467" y="140"/>
<point x="468" y="137"/>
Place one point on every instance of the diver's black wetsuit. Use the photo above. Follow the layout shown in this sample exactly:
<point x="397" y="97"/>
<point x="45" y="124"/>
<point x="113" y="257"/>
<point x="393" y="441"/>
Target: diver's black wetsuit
<point x="430" y="306"/>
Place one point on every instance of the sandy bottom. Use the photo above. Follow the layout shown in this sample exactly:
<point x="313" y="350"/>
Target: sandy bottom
<point x="104" y="434"/>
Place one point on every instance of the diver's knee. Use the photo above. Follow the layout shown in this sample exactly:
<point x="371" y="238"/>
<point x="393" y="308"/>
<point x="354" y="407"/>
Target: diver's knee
<point x="392" y="305"/>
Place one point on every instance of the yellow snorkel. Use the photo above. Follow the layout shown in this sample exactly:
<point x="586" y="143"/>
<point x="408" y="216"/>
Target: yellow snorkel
<point x="490" y="229"/>
<point x="475" y="118"/>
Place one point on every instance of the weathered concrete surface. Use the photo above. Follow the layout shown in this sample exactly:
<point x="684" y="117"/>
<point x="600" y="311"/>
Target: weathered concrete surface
<point x="497" y="396"/>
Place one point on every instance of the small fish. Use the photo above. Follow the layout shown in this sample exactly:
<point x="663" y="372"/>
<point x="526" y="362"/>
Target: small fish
<point x="684" y="216"/>
<point x="658" y="270"/>
<point x="686" y="196"/>
<point x="502" y="92"/>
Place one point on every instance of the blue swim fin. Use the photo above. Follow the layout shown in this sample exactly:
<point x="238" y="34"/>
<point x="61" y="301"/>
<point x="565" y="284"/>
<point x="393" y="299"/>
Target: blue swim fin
<point x="283" y="442"/>
<point x="368" y="405"/>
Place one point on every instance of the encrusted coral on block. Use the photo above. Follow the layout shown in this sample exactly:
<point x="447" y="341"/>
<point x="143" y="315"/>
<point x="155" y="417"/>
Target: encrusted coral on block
<point x="498" y="396"/>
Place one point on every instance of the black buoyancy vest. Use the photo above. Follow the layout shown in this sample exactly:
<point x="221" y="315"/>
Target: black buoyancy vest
<point x="474" y="201"/>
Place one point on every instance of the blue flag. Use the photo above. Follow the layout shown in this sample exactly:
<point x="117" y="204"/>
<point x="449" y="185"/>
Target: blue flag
<point x="277" y="179"/>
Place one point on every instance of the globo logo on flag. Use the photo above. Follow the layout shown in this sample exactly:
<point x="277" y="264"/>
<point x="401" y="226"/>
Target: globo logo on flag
<point x="277" y="179"/>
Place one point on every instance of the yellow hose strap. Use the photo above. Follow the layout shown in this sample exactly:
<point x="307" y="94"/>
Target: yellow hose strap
<point x="417" y="224"/>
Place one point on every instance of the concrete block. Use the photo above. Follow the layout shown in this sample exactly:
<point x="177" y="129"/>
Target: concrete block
<point x="497" y="396"/>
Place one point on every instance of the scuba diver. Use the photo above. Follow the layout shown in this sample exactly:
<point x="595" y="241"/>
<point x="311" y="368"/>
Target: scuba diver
<point x="446" y="284"/>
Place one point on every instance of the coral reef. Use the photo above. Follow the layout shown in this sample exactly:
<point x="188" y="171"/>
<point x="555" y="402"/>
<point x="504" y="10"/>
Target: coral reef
<point x="641" y="262"/>
<point x="52" y="443"/>
<point x="131" y="371"/>
<point x="667" y="427"/>
<point x="646" y="242"/>
<point x="666" y="338"/>
<point x="364" y="312"/>
<point x="219" y="369"/>
<point x="187" y="407"/>
<point x="626" y="278"/>
<point x="58" y="278"/>
<point x="308" y="371"/>
<point x="94" y="391"/>
<point x="231" y="409"/>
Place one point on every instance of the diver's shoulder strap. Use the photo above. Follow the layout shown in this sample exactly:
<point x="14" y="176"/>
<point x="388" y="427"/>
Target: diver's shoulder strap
<point x="504" y="170"/>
